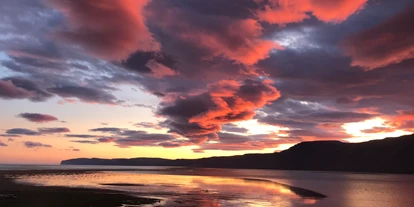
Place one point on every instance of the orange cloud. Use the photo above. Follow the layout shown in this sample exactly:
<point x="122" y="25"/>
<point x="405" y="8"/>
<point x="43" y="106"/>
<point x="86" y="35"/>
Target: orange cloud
<point x="107" y="29"/>
<point x="403" y="121"/>
<point x="199" y="117"/>
<point x="241" y="105"/>
<point x="290" y="11"/>
<point x="405" y="116"/>
<point x="388" y="43"/>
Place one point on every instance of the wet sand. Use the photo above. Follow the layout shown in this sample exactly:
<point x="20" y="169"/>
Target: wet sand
<point x="20" y="195"/>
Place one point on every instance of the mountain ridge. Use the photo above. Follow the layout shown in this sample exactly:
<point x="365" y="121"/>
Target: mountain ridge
<point x="389" y="155"/>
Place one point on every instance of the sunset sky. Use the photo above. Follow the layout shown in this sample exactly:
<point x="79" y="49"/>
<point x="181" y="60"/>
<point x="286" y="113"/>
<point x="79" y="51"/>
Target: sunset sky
<point x="200" y="78"/>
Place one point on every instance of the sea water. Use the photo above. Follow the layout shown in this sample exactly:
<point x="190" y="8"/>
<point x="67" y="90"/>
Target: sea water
<point x="246" y="188"/>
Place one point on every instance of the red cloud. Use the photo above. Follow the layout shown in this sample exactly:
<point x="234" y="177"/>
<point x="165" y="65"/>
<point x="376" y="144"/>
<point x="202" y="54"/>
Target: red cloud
<point x="234" y="39"/>
<point x="108" y="29"/>
<point x="290" y="11"/>
<point x="199" y="117"/>
<point x="385" y="44"/>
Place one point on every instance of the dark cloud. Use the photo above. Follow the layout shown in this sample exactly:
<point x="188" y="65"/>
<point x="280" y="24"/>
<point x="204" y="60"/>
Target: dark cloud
<point x="128" y="138"/>
<point x="81" y="136"/>
<point x="9" y="135"/>
<point x="237" y="40"/>
<point x="45" y="53"/>
<point x="2" y="144"/>
<point x="387" y="43"/>
<point x="286" y="122"/>
<point x="155" y="64"/>
<point x="22" y="131"/>
<point x="233" y="128"/>
<point x="29" y="65"/>
<point x="149" y="125"/>
<point x="53" y="130"/>
<point x="240" y="9"/>
<point x="144" y="106"/>
<point x="10" y="91"/>
<point x="107" y="129"/>
<point x="20" y="88"/>
<point x="346" y="100"/>
<point x="85" y="142"/>
<point x="334" y="116"/>
<point x="30" y="144"/>
<point x="37" y="118"/>
<point x="86" y="94"/>
<point x="144" y="139"/>
<point x="235" y="142"/>
<point x="310" y="120"/>
<point x="124" y="137"/>
<point x="308" y="116"/>
<point x="106" y="139"/>
<point x="385" y="89"/>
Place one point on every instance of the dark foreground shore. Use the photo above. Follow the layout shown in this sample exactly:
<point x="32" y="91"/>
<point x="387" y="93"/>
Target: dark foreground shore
<point x="19" y="195"/>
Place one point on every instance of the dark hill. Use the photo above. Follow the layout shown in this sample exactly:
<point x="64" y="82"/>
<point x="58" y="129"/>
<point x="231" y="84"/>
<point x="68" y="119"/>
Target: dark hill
<point x="390" y="155"/>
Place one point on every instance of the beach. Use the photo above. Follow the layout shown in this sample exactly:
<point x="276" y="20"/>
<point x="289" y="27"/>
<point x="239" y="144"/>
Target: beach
<point x="14" y="194"/>
<point x="127" y="188"/>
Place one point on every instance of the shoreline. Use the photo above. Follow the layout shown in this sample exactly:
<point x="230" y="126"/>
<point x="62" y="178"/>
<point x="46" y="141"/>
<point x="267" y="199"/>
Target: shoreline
<point x="13" y="194"/>
<point x="90" y="168"/>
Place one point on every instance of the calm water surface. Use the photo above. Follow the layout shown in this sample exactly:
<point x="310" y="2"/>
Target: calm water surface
<point x="245" y="188"/>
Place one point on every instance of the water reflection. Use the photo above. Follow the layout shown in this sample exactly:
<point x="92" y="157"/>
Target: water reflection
<point x="183" y="190"/>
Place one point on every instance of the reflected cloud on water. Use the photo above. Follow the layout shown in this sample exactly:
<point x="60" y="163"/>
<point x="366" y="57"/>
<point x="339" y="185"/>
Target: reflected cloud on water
<point x="185" y="190"/>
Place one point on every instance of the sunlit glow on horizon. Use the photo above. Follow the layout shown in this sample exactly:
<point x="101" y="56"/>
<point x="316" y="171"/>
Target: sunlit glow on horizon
<point x="356" y="130"/>
<point x="255" y="127"/>
<point x="282" y="147"/>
